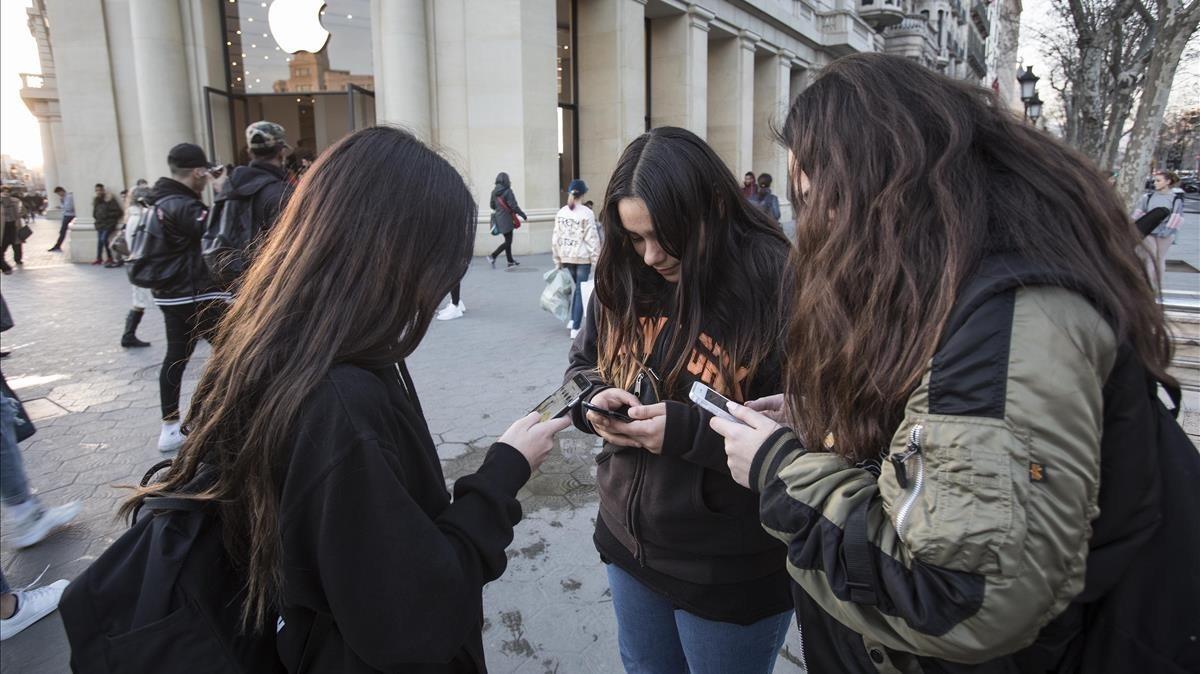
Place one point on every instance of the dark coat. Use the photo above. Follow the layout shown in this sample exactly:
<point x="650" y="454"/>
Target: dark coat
<point x="503" y="222"/>
<point x="107" y="213"/>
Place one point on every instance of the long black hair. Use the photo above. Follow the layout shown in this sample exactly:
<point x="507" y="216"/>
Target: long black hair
<point x="344" y="277"/>
<point x="731" y="258"/>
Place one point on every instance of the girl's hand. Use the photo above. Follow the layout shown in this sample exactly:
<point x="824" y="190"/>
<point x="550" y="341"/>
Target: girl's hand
<point x="771" y="406"/>
<point x="743" y="442"/>
<point x="532" y="439"/>
<point x="647" y="429"/>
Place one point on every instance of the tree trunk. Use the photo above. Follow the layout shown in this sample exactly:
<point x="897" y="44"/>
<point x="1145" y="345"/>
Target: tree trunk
<point x="1160" y="73"/>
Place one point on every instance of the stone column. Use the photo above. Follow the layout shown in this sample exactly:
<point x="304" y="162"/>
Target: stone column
<point x="679" y="70"/>
<point x="49" y="158"/>
<point x="731" y="100"/>
<point x="772" y="91"/>
<point x="401" y="56"/>
<point x="165" y="101"/>
<point x="612" y="85"/>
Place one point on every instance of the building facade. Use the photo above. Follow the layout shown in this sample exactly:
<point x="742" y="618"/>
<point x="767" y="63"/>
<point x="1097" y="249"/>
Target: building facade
<point x="545" y="90"/>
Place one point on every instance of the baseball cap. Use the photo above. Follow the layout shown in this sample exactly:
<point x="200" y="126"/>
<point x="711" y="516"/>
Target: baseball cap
<point x="577" y="187"/>
<point x="188" y="155"/>
<point x="265" y="135"/>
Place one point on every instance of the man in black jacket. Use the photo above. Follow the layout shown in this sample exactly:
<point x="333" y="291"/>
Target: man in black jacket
<point x="263" y="182"/>
<point x="191" y="302"/>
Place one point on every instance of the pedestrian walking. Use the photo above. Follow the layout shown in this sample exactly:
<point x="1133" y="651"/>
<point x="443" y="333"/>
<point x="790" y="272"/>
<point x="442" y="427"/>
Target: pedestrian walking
<point x="333" y="501"/>
<point x="191" y="302"/>
<point x="135" y="207"/>
<point x="263" y="183"/>
<point x="575" y="246"/>
<point x="26" y="521"/>
<point x="749" y="186"/>
<point x="763" y="198"/>
<point x="687" y="291"/>
<point x="107" y="212"/>
<point x="10" y="213"/>
<point x="67" y="199"/>
<point x="505" y="212"/>
<point x="971" y="472"/>
<point x="457" y="308"/>
<point x="1154" y="247"/>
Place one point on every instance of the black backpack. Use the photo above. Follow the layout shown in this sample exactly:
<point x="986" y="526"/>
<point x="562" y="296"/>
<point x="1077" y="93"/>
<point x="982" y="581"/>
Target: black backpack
<point x="151" y="263"/>
<point x="229" y="236"/>
<point x="164" y="597"/>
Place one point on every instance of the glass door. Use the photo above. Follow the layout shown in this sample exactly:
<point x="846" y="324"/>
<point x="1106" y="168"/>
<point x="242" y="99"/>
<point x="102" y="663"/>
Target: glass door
<point x="226" y="116"/>
<point x="362" y="107"/>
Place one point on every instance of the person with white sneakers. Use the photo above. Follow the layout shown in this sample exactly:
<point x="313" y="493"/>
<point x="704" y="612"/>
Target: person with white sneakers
<point x="575" y="246"/>
<point x="457" y="306"/>
<point x="27" y="521"/>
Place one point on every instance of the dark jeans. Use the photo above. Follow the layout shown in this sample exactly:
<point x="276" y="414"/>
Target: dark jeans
<point x="102" y="243"/>
<point x="62" y="231"/>
<point x="186" y="325"/>
<point x="505" y="247"/>
<point x="10" y="239"/>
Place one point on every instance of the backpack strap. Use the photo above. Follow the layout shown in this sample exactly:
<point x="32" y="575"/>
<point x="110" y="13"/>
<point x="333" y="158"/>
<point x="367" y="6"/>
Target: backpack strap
<point x="860" y="564"/>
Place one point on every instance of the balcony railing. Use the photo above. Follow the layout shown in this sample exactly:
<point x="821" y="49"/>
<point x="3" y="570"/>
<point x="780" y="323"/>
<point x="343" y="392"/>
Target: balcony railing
<point x="977" y="55"/>
<point x="914" y="25"/>
<point x="34" y="81"/>
<point x="979" y="16"/>
<point x="881" y="13"/>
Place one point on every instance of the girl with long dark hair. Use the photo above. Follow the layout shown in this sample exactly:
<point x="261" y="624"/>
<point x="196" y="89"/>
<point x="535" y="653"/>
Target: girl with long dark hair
<point x="686" y="291"/>
<point x="970" y="347"/>
<point x="331" y="495"/>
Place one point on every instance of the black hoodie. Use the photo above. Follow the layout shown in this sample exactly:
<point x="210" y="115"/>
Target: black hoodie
<point x="265" y="185"/>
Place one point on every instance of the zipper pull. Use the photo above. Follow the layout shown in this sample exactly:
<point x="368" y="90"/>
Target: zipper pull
<point x="899" y="460"/>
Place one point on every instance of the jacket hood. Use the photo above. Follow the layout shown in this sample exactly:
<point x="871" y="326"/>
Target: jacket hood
<point x="502" y="183"/>
<point x="245" y="181"/>
<point x="166" y="187"/>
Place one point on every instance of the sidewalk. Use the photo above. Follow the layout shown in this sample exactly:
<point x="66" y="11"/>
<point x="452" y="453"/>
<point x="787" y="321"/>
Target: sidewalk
<point x="96" y="408"/>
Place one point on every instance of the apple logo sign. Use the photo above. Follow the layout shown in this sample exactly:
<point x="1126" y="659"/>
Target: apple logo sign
<point x="296" y="25"/>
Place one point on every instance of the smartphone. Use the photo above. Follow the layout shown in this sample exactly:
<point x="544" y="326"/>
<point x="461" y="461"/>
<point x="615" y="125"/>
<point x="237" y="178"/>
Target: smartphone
<point x="712" y="402"/>
<point x="557" y="403"/>
<point x="619" y="414"/>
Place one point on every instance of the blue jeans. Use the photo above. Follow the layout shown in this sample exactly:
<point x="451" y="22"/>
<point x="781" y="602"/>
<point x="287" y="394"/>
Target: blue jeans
<point x="102" y="248"/>
<point x="657" y="638"/>
<point x="14" y="487"/>
<point x="579" y="273"/>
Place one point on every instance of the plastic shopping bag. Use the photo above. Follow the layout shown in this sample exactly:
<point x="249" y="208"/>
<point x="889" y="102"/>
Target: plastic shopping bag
<point x="585" y="295"/>
<point x="556" y="297"/>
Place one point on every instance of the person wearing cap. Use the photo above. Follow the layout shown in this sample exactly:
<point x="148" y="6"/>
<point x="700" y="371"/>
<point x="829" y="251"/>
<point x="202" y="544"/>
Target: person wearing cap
<point x="575" y="246"/>
<point x="191" y="302"/>
<point x="264" y="182"/>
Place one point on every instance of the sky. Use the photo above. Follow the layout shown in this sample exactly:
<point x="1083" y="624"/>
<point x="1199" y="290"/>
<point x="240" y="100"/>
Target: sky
<point x="19" y="133"/>
<point x="20" y="137"/>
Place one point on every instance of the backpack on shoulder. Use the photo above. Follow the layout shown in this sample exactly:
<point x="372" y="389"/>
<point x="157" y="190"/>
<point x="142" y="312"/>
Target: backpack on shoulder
<point x="164" y="597"/>
<point x="229" y="236"/>
<point x="149" y="262"/>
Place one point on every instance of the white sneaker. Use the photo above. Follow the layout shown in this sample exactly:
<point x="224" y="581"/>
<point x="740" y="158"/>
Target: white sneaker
<point x="571" y="324"/>
<point x="450" y="312"/>
<point x="170" y="439"/>
<point x="462" y="306"/>
<point x="574" y="333"/>
<point x="37" y="525"/>
<point x="32" y="606"/>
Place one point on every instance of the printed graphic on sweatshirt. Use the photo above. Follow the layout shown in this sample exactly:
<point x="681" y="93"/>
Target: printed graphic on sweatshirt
<point x="705" y="361"/>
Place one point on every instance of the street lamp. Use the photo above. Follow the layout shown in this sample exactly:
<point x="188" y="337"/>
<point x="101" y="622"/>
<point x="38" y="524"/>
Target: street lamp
<point x="1033" y="108"/>
<point x="1028" y="83"/>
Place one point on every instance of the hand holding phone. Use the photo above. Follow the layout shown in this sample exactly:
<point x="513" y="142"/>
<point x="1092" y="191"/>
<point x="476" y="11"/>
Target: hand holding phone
<point x="712" y="402"/>
<point x="618" y="414"/>
<point x="557" y="403"/>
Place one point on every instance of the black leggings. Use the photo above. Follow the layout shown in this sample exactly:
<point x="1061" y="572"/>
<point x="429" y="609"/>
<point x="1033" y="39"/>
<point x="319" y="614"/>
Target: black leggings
<point x="506" y="247"/>
<point x="456" y="293"/>
<point x="186" y="325"/>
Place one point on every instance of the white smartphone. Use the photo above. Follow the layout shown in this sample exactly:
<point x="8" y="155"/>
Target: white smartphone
<point x="712" y="402"/>
<point x="563" y="399"/>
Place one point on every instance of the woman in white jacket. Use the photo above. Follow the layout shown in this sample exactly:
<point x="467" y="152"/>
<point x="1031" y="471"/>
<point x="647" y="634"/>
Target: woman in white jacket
<point x="575" y="245"/>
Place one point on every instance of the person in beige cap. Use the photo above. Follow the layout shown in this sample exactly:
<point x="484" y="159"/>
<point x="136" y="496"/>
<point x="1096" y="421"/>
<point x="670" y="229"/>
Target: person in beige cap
<point x="263" y="182"/>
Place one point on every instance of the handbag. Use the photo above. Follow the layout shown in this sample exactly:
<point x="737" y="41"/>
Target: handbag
<point x="24" y="233"/>
<point x="504" y="206"/>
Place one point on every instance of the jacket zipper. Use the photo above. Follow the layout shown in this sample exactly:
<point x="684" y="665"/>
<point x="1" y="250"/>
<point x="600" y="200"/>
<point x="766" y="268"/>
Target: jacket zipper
<point x="639" y="472"/>
<point x="899" y="461"/>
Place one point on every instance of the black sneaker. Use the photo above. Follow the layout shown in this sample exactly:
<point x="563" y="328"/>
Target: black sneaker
<point x="514" y="263"/>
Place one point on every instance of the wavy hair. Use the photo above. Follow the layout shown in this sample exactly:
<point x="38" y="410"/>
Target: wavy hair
<point x="377" y="232"/>
<point x="731" y="258"/>
<point x="915" y="178"/>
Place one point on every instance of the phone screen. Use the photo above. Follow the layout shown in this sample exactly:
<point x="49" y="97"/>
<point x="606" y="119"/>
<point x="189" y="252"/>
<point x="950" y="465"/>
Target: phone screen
<point x="561" y="400"/>
<point x="717" y="399"/>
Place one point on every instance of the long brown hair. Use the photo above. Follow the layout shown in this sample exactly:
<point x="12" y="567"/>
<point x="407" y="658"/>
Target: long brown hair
<point x="914" y="179"/>
<point x="731" y="260"/>
<point x="377" y="232"/>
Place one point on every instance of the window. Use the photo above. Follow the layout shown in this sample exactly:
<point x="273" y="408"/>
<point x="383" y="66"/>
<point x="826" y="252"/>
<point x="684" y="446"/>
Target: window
<point x="568" y="110"/>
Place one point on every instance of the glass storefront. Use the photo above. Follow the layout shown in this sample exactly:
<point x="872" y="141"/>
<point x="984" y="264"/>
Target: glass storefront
<point x="304" y="64"/>
<point x="568" y="110"/>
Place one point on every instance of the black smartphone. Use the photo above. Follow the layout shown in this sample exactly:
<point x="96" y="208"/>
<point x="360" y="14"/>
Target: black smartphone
<point x="618" y="414"/>
<point x="557" y="403"/>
